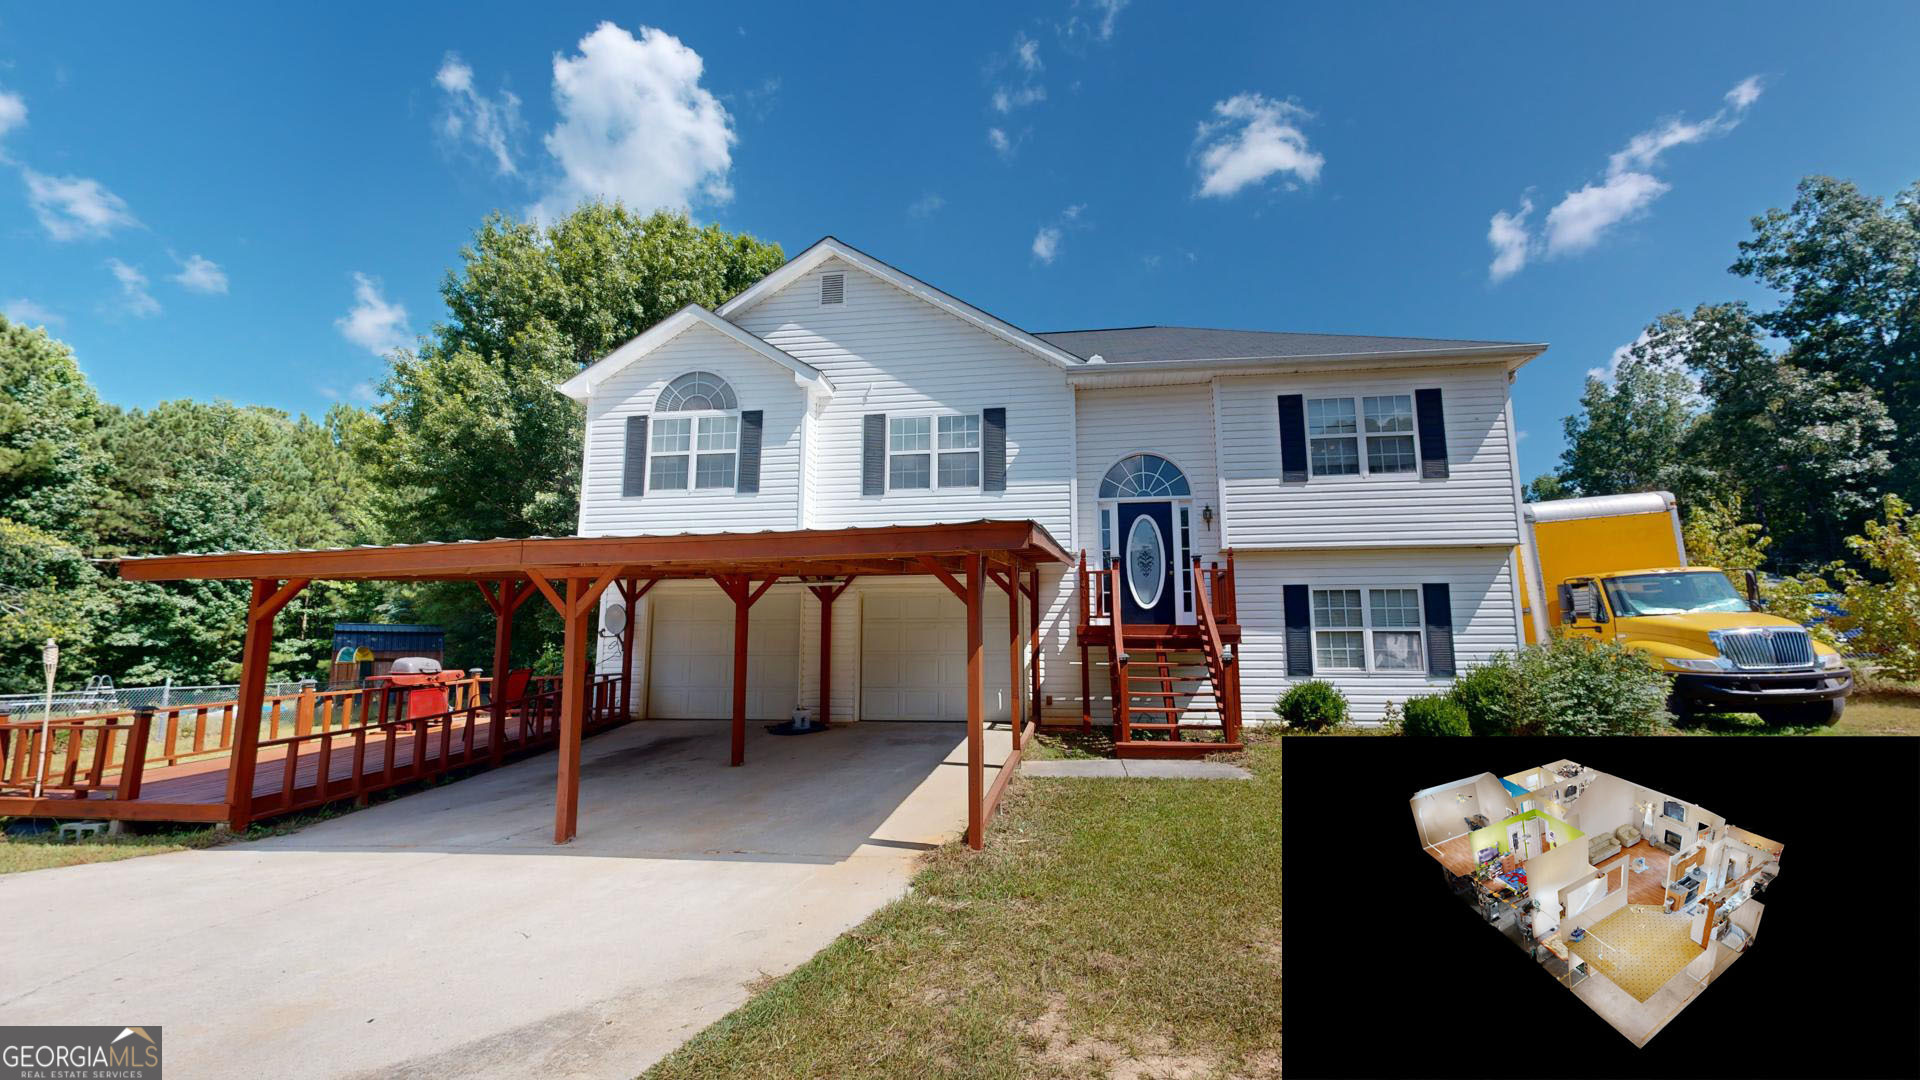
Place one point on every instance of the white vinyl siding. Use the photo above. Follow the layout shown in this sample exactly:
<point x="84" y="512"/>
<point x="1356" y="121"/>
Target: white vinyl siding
<point x="887" y="351"/>
<point x="678" y="500"/>
<point x="1368" y="507"/>
<point x="1480" y="588"/>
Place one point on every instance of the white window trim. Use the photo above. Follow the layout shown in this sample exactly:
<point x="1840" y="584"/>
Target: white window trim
<point x="1366" y="629"/>
<point x="933" y="452"/>
<point x="693" y="452"/>
<point x="1360" y="438"/>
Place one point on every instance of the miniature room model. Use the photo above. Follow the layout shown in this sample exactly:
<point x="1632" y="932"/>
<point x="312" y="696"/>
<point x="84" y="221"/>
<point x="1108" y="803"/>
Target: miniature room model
<point x="1633" y="899"/>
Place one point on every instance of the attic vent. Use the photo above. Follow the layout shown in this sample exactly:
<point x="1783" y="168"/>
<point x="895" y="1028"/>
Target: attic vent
<point x="833" y="288"/>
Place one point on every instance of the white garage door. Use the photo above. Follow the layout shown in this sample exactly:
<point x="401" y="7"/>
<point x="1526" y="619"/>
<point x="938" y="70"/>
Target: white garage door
<point x="914" y="663"/>
<point x="691" y="676"/>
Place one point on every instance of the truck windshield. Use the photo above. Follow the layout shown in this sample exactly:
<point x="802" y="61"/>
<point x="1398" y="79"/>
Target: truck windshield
<point x="1674" y="594"/>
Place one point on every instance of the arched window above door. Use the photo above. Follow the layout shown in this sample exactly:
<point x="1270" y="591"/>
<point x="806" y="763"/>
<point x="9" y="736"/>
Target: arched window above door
<point x="1144" y="476"/>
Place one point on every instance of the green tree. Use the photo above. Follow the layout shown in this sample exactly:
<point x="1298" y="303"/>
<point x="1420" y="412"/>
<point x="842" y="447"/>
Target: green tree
<point x="473" y="441"/>
<point x="51" y="462"/>
<point x="1885" y="608"/>
<point x="1631" y="431"/>
<point x="48" y="589"/>
<point x="1848" y="266"/>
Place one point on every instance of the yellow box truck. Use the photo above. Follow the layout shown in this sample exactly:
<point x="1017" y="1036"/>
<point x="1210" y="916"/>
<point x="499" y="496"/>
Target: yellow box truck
<point x="1614" y="568"/>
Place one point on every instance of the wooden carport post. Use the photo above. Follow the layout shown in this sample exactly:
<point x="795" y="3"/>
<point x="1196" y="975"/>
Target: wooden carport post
<point x="1033" y="638"/>
<point x="740" y="588"/>
<point x="576" y="614"/>
<point x="827" y="594"/>
<point x="503" y="604"/>
<point x="630" y="593"/>
<point x="269" y="596"/>
<point x="976" y="564"/>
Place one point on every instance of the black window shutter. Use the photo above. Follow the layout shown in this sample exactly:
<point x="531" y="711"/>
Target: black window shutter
<point x="633" y="471"/>
<point x="873" y="455"/>
<point x="1294" y="600"/>
<point x="1293" y="439"/>
<point x="1433" y="434"/>
<point x="1439" y="603"/>
<point x="747" y="480"/>
<point x="993" y="449"/>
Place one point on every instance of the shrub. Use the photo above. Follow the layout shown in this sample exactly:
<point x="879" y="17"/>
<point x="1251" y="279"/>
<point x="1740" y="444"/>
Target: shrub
<point x="1885" y="609"/>
<point x="1490" y="696"/>
<point x="1573" y="686"/>
<point x="1312" y="706"/>
<point x="1434" y="715"/>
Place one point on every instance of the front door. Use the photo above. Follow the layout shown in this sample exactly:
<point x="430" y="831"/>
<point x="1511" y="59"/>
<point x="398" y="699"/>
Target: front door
<point x="1147" y="593"/>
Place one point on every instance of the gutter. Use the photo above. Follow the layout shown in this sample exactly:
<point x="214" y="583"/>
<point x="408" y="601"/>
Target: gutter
<point x="1091" y="372"/>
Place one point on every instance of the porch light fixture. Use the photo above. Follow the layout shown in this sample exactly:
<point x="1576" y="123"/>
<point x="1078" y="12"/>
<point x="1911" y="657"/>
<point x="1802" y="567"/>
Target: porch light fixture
<point x="1206" y="515"/>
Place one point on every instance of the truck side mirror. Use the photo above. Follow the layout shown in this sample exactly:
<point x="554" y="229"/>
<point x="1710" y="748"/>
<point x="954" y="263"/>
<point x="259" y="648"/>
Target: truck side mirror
<point x="1567" y="612"/>
<point x="1753" y="589"/>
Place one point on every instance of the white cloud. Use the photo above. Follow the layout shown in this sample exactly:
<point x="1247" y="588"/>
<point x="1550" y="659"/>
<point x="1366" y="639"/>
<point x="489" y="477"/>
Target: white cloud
<point x="1005" y="100"/>
<point x="27" y="313"/>
<point x="135" y="300"/>
<point x="1252" y="138"/>
<point x="201" y="274"/>
<point x="73" y="207"/>
<point x="374" y="323"/>
<point x="1027" y="52"/>
<point x="488" y="123"/>
<point x="1046" y="242"/>
<point x="13" y="112"/>
<point x="1023" y="57"/>
<point x="636" y="125"/>
<point x="1104" y="14"/>
<point x="926" y="205"/>
<point x="997" y="138"/>
<point x="1582" y="218"/>
<point x="1508" y="235"/>
<point x="1109" y="11"/>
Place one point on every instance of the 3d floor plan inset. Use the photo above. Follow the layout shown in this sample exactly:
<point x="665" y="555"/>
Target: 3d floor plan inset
<point x="1633" y="899"/>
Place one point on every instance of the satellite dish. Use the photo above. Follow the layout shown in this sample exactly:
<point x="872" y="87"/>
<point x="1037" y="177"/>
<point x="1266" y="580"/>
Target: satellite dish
<point x="614" y="618"/>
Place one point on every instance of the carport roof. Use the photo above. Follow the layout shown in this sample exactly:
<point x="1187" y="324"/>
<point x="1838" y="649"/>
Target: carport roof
<point x="888" y="549"/>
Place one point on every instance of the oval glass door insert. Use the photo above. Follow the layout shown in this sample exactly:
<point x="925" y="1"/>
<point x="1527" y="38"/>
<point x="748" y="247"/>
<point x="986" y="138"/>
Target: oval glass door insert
<point x="1146" y="561"/>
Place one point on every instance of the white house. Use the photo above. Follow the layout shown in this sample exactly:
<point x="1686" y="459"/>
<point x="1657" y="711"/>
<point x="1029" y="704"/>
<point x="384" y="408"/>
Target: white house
<point x="1366" y="487"/>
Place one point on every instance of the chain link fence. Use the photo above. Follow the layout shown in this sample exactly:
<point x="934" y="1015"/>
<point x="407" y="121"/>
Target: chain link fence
<point x="107" y="698"/>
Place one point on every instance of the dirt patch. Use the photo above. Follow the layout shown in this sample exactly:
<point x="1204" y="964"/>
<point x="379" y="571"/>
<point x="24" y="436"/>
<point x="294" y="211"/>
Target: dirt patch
<point x="1150" y="1059"/>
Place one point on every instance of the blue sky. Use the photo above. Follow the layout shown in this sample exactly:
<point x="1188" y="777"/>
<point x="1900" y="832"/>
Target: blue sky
<point x="249" y="202"/>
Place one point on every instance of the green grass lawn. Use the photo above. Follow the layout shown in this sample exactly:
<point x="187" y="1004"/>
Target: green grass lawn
<point x="1123" y="927"/>
<point x="1876" y="713"/>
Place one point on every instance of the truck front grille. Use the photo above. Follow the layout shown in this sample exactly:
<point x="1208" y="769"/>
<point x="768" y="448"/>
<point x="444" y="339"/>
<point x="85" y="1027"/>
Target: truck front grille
<point x="1768" y="648"/>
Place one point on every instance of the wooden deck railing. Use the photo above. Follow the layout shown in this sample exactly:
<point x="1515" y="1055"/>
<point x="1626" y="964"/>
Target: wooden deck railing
<point x="1098" y="586"/>
<point x="110" y="751"/>
<point x="1221" y="669"/>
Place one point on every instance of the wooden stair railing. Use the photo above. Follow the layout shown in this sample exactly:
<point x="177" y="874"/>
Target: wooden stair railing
<point x="1118" y="666"/>
<point x="1220" y="666"/>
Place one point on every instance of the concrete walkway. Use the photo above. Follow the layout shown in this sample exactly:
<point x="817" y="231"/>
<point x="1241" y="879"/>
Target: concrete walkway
<point x="443" y="934"/>
<point x="1136" y="768"/>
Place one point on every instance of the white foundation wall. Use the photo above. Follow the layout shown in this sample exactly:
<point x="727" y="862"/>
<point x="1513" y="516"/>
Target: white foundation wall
<point x="1480" y="581"/>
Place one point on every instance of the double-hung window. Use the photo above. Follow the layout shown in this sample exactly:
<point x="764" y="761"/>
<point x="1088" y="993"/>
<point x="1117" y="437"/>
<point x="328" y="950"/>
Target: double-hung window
<point x="1367" y="630"/>
<point x="700" y="451"/>
<point x="1389" y="429"/>
<point x="933" y="451"/>
<point x="1333" y="437"/>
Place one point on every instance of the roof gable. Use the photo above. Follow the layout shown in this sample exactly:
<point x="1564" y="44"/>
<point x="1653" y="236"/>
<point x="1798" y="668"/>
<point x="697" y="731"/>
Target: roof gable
<point x="581" y="386"/>
<point x="829" y="248"/>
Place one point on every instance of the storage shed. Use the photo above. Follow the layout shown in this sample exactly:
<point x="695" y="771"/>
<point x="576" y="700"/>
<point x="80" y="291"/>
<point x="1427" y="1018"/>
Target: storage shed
<point x="364" y="649"/>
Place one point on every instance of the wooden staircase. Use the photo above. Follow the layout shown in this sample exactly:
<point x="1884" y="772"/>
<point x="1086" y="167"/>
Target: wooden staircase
<point x="1174" y="689"/>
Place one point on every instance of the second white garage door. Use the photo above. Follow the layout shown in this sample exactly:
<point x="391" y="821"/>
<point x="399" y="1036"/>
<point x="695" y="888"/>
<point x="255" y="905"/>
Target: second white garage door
<point x="914" y="664"/>
<point x="691" y="677"/>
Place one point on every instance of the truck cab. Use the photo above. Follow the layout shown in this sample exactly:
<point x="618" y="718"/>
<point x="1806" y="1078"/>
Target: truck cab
<point x="1613" y="568"/>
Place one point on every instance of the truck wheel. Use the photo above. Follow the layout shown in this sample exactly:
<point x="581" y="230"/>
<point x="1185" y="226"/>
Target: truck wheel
<point x="1811" y="714"/>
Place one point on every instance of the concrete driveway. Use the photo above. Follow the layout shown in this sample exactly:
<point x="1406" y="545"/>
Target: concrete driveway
<point x="443" y="934"/>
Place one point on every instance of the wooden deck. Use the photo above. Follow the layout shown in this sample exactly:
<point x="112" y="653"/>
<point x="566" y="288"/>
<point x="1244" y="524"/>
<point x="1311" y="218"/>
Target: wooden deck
<point x="324" y="767"/>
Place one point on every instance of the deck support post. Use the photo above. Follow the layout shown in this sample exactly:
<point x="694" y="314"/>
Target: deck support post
<point x="502" y="663"/>
<point x="976" y="565"/>
<point x="739" y="587"/>
<point x="1016" y="695"/>
<point x="1033" y="642"/>
<point x="629" y="595"/>
<point x="269" y="596"/>
<point x="573" y="708"/>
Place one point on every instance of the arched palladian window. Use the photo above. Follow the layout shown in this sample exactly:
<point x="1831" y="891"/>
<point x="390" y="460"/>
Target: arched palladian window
<point x="1144" y="476"/>
<point x="701" y="449"/>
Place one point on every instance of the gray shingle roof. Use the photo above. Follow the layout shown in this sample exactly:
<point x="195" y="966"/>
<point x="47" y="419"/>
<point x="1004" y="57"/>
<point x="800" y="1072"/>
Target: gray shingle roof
<point x="1147" y="344"/>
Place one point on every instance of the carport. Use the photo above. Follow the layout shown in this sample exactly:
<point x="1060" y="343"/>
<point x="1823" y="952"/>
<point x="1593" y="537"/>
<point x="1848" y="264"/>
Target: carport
<point x="572" y="573"/>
